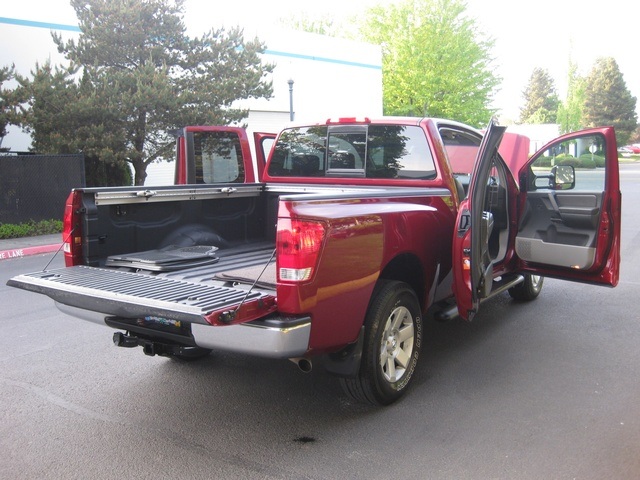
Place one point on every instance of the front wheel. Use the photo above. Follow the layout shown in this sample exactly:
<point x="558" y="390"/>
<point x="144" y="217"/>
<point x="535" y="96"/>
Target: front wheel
<point x="527" y="290"/>
<point x="393" y="337"/>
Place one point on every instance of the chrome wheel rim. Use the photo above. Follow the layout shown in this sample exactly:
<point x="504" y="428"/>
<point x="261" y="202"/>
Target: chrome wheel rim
<point x="535" y="282"/>
<point x="396" y="345"/>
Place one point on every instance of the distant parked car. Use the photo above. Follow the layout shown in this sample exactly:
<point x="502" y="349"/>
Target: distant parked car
<point x="625" y="151"/>
<point x="634" y="148"/>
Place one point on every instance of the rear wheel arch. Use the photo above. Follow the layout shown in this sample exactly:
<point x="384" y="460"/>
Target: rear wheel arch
<point x="406" y="268"/>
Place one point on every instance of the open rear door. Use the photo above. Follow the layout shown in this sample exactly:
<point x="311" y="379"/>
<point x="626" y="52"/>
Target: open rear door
<point x="472" y="264"/>
<point x="567" y="216"/>
<point x="263" y="143"/>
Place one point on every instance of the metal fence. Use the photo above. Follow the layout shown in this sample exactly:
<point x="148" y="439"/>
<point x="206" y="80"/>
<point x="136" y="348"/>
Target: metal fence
<point x="35" y="187"/>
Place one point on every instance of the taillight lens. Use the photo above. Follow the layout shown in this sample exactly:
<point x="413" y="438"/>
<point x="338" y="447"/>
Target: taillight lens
<point x="71" y="231"/>
<point x="298" y="246"/>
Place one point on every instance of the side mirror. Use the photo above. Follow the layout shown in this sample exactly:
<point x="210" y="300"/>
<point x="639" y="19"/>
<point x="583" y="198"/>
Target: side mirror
<point x="563" y="177"/>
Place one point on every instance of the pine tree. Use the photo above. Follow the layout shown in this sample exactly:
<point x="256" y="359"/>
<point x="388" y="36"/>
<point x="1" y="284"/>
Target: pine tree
<point x="9" y="102"/>
<point x="541" y="99"/>
<point x="608" y="101"/>
<point x="140" y="76"/>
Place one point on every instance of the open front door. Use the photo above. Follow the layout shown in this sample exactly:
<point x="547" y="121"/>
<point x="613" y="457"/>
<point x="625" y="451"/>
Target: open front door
<point x="567" y="217"/>
<point x="570" y="208"/>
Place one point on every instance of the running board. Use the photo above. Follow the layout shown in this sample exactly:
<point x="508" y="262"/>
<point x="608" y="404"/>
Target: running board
<point x="498" y="287"/>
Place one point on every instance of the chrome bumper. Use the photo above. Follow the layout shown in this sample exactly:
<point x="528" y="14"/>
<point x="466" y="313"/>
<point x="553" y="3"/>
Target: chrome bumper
<point x="278" y="337"/>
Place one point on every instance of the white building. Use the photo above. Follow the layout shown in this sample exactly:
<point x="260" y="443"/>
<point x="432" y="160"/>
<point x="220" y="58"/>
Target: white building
<point x="332" y="77"/>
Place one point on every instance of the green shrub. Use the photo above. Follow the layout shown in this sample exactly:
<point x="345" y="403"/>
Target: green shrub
<point x="587" y="162"/>
<point x="568" y="160"/>
<point x="543" y="162"/>
<point x="30" y="228"/>
<point x="597" y="159"/>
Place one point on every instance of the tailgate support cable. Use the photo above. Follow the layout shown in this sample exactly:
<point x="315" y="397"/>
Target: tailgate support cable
<point x="59" y="248"/>
<point x="227" y="317"/>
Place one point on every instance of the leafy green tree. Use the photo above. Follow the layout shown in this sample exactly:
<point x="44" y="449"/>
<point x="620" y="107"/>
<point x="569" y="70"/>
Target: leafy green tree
<point x="140" y="76"/>
<point x="541" y="99"/>
<point x="608" y="101"/>
<point x="570" y="112"/>
<point x="435" y="61"/>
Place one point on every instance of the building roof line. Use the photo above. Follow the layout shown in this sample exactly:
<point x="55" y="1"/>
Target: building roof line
<point x="32" y="23"/>
<point x="74" y="28"/>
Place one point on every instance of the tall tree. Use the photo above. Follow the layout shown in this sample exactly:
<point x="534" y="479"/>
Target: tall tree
<point x="435" y="61"/>
<point x="541" y="99"/>
<point x="608" y="101"/>
<point x="65" y="117"/>
<point x="570" y="112"/>
<point x="8" y="101"/>
<point x="140" y="76"/>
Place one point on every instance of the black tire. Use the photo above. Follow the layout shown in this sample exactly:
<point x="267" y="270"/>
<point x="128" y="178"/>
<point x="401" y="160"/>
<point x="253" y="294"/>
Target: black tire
<point x="392" y="341"/>
<point x="527" y="290"/>
<point x="190" y="354"/>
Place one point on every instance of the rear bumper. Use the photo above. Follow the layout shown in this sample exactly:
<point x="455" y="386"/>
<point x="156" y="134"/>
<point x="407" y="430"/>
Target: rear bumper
<point x="274" y="337"/>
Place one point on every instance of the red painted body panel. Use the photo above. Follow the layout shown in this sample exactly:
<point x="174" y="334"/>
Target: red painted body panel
<point x="363" y="237"/>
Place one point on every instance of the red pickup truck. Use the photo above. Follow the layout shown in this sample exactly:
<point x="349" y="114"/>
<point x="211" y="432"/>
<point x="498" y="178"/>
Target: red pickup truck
<point x="356" y="231"/>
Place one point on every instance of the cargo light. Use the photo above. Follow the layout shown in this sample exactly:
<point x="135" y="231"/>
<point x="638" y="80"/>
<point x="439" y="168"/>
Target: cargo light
<point x="333" y="121"/>
<point x="298" y="246"/>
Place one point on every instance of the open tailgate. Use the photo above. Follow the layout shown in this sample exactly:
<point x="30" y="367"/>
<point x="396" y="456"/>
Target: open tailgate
<point x="136" y="295"/>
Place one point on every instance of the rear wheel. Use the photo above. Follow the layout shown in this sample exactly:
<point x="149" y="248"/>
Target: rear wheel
<point x="393" y="337"/>
<point x="527" y="290"/>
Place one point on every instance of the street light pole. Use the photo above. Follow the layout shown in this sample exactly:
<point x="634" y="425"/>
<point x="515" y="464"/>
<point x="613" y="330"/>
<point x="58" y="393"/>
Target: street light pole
<point x="290" y="82"/>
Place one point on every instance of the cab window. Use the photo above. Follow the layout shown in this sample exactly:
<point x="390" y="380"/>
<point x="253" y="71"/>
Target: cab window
<point x="218" y="157"/>
<point x="367" y="151"/>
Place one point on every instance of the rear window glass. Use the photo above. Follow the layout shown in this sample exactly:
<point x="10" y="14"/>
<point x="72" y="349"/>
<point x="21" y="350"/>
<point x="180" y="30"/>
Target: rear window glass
<point x="374" y="151"/>
<point x="218" y="157"/>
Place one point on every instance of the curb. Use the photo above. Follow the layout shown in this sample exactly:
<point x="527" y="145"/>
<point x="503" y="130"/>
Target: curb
<point x="26" y="251"/>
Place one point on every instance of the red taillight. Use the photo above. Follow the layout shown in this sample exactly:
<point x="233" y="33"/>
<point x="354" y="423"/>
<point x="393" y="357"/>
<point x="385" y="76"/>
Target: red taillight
<point x="71" y="230"/>
<point x="298" y="246"/>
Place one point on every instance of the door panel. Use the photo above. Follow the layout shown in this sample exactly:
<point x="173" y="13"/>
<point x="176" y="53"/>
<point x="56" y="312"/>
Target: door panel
<point x="570" y="229"/>
<point x="559" y="228"/>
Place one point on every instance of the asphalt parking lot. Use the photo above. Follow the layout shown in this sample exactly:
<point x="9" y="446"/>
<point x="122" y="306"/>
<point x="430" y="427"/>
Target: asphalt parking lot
<point x="545" y="390"/>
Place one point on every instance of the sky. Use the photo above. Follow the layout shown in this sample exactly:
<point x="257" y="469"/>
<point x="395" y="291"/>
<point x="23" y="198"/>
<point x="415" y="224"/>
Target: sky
<point x="527" y="34"/>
